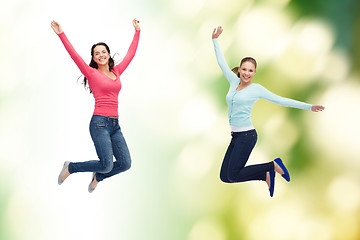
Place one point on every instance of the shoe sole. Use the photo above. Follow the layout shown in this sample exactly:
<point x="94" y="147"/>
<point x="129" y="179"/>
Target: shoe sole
<point x="66" y="164"/>
<point x="90" y="189"/>
<point x="272" y="183"/>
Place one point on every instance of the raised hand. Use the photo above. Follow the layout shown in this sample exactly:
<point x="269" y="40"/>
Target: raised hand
<point x="136" y="24"/>
<point x="56" y="27"/>
<point x="217" y="31"/>
<point x="317" y="108"/>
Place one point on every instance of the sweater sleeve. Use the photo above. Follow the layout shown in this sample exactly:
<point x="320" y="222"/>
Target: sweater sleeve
<point x="286" y="102"/>
<point x="230" y="75"/>
<point x="120" y="68"/>
<point x="84" y="68"/>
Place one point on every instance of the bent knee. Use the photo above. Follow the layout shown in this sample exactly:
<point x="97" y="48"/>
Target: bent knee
<point x="105" y="168"/>
<point x="127" y="165"/>
<point x="232" y="178"/>
<point x="225" y="179"/>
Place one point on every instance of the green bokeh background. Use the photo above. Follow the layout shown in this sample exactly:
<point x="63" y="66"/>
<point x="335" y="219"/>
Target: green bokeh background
<point x="174" y="117"/>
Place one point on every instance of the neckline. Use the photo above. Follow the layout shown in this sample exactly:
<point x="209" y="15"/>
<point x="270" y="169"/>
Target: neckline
<point x="243" y="88"/>
<point x="108" y="76"/>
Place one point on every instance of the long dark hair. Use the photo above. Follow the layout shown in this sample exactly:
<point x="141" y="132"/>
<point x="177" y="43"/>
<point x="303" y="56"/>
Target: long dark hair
<point x="93" y="64"/>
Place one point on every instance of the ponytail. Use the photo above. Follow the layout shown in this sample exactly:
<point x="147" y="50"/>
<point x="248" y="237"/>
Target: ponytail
<point x="236" y="71"/>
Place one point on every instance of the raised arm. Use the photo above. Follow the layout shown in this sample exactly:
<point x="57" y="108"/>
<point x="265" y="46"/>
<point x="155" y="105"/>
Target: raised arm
<point x="230" y="75"/>
<point x="84" y="68"/>
<point x="120" y="68"/>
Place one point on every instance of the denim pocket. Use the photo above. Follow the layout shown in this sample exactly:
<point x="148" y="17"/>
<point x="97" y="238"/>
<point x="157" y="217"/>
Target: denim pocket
<point x="99" y="124"/>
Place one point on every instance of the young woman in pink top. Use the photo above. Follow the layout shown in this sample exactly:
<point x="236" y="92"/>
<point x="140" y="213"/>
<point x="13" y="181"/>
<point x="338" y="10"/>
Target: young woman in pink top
<point x="103" y="79"/>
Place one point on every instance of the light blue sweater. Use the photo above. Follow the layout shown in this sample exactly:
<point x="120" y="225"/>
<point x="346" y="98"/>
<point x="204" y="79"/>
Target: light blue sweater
<point x="240" y="103"/>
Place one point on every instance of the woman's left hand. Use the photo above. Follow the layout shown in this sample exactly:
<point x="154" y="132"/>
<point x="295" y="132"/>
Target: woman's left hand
<point x="317" y="108"/>
<point x="136" y="24"/>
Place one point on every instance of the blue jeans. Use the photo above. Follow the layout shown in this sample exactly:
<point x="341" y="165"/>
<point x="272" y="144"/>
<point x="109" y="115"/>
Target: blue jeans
<point x="109" y="141"/>
<point x="233" y="167"/>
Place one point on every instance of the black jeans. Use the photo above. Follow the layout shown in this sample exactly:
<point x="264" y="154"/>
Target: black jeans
<point x="233" y="167"/>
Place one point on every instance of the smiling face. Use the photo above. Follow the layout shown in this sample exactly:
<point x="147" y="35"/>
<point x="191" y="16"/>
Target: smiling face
<point x="101" y="55"/>
<point x="246" y="71"/>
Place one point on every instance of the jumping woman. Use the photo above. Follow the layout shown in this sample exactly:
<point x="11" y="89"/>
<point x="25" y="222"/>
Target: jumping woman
<point x="241" y="97"/>
<point x="103" y="79"/>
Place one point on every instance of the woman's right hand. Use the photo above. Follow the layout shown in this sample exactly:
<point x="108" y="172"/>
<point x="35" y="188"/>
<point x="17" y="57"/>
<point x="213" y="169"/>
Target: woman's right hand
<point x="216" y="33"/>
<point x="56" y="27"/>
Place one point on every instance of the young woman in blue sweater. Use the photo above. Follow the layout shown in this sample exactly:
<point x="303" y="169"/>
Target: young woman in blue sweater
<point x="241" y="97"/>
